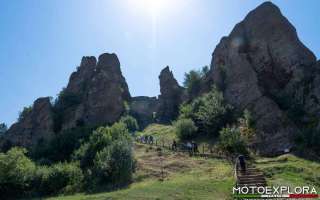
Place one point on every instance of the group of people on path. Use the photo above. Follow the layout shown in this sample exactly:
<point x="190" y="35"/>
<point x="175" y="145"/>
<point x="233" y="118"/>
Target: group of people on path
<point x="146" y="139"/>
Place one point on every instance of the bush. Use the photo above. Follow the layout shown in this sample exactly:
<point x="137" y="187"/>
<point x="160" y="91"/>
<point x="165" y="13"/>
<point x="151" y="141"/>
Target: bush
<point x="16" y="173"/>
<point x="209" y="112"/>
<point x="231" y="142"/>
<point x="3" y="128"/>
<point x="193" y="80"/>
<point x="185" y="128"/>
<point x="107" y="158"/>
<point x="59" y="178"/>
<point x="24" y="113"/>
<point x="61" y="146"/>
<point x="130" y="122"/>
<point x="114" y="164"/>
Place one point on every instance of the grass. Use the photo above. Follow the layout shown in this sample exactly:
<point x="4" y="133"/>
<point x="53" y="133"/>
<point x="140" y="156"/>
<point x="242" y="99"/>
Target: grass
<point x="290" y="170"/>
<point x="184" y="178"/>
<point x="160" y="132"/>
<point x="194" y="178"/>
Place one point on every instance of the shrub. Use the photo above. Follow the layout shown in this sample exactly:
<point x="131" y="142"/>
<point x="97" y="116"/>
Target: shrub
<point x="185" y="128"/>
<point x="24" y="113"/>
<point x="16" y="173"/>
<point x="61" y="146"/>
<point x="130" y="122"/>
<point x="209" y="112"/>
<point x="213" y="113"/>
<point x="114" y="164"/>
<point x="193" y="80"/>
<point x="107" y="157"/>
<point x="59" y="178"/>
<point x="231" y="142"/>
<point x="3" y="128"/>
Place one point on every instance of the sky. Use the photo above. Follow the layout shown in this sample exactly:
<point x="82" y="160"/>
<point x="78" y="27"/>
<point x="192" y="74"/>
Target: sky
<point x="42" y="42"/>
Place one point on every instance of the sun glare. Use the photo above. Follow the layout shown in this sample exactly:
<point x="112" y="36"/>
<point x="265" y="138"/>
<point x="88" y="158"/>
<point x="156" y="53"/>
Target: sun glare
<point x="153" y="7"/>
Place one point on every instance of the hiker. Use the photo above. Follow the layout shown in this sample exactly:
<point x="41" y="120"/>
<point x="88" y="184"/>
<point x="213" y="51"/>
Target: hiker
<point x="174" y="146"/>
<point x="189" y="146"/>
<point x="150" y="139"/>
<point x="195" y="147"/>
<point x="242" y="163"/>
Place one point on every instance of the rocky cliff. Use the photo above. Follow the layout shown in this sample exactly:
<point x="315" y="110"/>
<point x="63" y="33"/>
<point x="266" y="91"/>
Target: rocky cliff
<point x="170" y="98"/>
<point x="144" y="109"/>
<point x="262" y="66"/>
<point x="96" y="94"/>
<point x="37" y="124"/>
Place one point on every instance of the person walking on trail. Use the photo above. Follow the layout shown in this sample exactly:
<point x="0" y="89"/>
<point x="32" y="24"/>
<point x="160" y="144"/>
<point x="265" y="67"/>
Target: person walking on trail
<point x="194" y="147"/>
<point x="189" y="147"/>
<point x="174" y="145"/>
<point x="242" y="163"/>
<point x="150" y="139"/>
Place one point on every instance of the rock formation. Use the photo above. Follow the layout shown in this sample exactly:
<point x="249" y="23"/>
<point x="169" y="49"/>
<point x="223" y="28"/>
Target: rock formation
<point x="144" y="109"/>
<point x="258" y="66"/>
<point x="97" y="94"/>
<point x="172" y="95"/>
<point x="37" y="124"/>
<point x="97" y="91"/>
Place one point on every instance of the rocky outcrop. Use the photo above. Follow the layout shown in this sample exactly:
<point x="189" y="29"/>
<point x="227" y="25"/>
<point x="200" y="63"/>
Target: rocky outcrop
<point x="37" y="124"/>
<point x="144" y="109"/>
<point x="96" y="94"/>
<point x="261" y="63"/>
<point x="172" y="95"/>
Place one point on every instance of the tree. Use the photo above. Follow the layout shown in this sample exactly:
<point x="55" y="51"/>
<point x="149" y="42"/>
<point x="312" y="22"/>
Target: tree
<point x="231" y="142"/>
<point x="212" y="112"/>
<point x="130" y="122"/>
<point x="3" y="128"/>
<point x="16" y="173"/>
<point x="185" y="128"/>
<point x="26" y="110"/>
<point x="107" y="158"/>
<point x="193" y="80"/>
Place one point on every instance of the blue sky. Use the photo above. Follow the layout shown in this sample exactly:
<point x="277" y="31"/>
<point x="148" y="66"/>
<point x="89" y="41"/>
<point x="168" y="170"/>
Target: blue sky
<point x="42" y="42"/>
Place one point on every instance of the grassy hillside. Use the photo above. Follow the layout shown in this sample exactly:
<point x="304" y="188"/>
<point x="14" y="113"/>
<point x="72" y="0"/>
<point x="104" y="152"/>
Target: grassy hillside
<point x="184" y="178"/>
<point x="290" y="170"/>
<point x="160" y="132"/>
<point x="198" y="178"/>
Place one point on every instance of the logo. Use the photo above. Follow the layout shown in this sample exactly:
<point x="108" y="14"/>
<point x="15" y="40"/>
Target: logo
<point x="271" y="192"/>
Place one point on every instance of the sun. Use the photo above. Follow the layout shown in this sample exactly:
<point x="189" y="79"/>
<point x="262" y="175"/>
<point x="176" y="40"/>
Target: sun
<point x="153" y="7"/>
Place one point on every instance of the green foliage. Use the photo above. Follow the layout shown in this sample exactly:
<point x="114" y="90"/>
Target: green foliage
<point x="185" y="128"/>
<point x="61" y="146"/>
<point x="193" y="79"/>
<point x="107" y="158"/>
<point x="209" y="112"/>
<point x="16" y="173"/>
<point x="231" y="142"/>
<point x="247" y="127"/>
<point x="213" y="112"/>
<point x="24" y="113"/>
<point x="59" y="178"/>
<point x="114" y="164"/>
<point x="3" y="128"/>
<point x="65" y="101"/>
<point x="130" y="122"/>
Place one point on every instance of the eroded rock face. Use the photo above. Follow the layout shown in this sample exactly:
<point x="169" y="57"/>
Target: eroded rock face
<point x="101" y="91"/>
<point x="260" y="63"/>
<point x="172" y="95"/>
<point x="34" y="126"/>
<point x="144" y="109"/>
